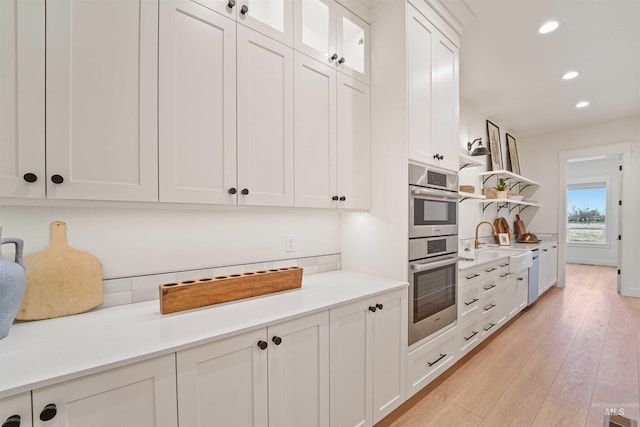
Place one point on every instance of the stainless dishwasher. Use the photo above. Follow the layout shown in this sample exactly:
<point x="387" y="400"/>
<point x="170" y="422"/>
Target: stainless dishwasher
<point x="534" y="277"/>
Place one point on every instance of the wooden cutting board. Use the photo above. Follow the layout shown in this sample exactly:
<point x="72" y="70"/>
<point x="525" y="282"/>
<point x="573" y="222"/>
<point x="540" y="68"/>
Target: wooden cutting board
<point x="519" y="226"/>
<point x="60" y="280"/>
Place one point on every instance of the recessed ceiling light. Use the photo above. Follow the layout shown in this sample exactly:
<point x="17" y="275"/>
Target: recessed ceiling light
<point x="547" y="27"/>
<point x="582" y="104"/>
<point x="570" y="75"/>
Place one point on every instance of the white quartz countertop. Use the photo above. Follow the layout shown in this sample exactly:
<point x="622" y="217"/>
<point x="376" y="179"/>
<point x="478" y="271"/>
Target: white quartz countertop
<point x="488" y="254"/>
<point x="40" y="353"/>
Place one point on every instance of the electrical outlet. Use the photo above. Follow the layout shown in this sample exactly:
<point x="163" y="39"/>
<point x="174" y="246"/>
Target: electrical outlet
<point x="290" y="243"/>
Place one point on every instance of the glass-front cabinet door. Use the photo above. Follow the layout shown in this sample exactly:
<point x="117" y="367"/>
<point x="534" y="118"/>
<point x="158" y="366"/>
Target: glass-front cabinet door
<point x="353" y="45"/>
<point x="315" y="29"/>
<point x="273" y="18"/>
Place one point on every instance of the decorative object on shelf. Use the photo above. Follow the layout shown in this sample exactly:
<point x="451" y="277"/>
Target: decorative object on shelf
<point x="467" y="188"/>
<point x="13" y="280"/>
<point x="60" y="280"/>
<point x="519" y="226"/>
<point x="490" y="192"/>
<point x="180" y="296"/>
<point x="514" y="162"/>
<point x="503" y="238"/>
<point x="480" y="150"/>
<point x="493" y="134"/>
<point x="501" y="188"/>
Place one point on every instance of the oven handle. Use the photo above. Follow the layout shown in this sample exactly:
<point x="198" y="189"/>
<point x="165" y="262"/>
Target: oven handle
<point x="445" y="195"/>
<point x="432" y="265"/>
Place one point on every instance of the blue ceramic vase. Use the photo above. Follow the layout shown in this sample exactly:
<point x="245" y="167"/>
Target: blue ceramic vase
<point x="13" y="279"/>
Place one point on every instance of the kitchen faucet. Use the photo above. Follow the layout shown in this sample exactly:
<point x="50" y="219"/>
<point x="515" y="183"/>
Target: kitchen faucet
<point x="476" y="244"/>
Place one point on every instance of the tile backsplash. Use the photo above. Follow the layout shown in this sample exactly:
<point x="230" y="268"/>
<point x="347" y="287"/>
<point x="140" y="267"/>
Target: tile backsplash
<point x="127" y="290"/>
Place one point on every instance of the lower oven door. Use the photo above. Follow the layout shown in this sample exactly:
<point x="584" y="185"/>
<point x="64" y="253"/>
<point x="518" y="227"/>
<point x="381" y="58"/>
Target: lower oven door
<point x="432" y="295"/>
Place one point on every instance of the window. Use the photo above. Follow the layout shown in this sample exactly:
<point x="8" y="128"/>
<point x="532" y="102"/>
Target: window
<point x="586" y="213"/>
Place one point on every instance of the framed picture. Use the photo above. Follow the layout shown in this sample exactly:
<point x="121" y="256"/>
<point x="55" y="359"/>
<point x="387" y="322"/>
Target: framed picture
<point x="513" y="154"/>
<point x="493" y="135"/>
<point x="503" y="238"/>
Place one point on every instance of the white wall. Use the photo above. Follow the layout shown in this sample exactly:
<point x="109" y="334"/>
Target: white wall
<point x="137" y="241"/>
<point x="607" y="169"/>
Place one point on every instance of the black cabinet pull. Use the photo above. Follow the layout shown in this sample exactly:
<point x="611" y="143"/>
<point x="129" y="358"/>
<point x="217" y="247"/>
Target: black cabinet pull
<point x="490" y="326"/>
<point x="504" y="275"/>
<point x="231" y="3"/>
<point x="472" y="301"/>
<point x="12" y="421"/>
<point x="489" y="307"/>
<point x="491" y="269"/>
<point x="244" y="9"/>
<point x="472" y="276"/>
<point x="245" y="191"/>
<point x="471" y="336"/>
<point x="262" y="345"/>
<point x="343" y="198"/>
<point x="232" y="190"/>
<point x="488" y="288"/>
<point x="276" y="340"/>
<point x="520" y="278"/>
<point x="372" y="309"/>
<point x="380" y="306"/>
<point x="341" y="60"/>
<point x="442" y="356"/>
<point x="504" y="265"/>
<point x="545" y="250"/>
<point x="335" y="198"/>
<point x="49" y="412"/>
<point x="30" y="177"/>
<point x="57" y="179"/>
<point x="333" y="57"/>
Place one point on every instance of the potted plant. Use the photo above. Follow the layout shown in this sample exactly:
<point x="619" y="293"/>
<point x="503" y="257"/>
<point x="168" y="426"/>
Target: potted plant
<point x="502" y="189"/>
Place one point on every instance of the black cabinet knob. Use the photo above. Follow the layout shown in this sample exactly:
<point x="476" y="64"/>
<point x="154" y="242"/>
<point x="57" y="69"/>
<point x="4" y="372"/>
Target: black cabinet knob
<point x="244" y="9"/>
<point x="342" y="198"/>
<point x="333" y="57"/>
<point x="245" y="191"/>
<point x="232" y="190"/>
<point x="276" y="340"/>
<point x="372" y="309"/>
<point x="12" y="421"/>
<point x="335" y="198"/>
<point x="380" y="306"/>
<point x="231" y="3"/>
<point x="30" y="177"/>
<point x="436" y="156"/>
<point x="57" y="179"/>
<point x="262" y="345"/>
<point x="341" y="60"/>
<point x="49" y="412"/>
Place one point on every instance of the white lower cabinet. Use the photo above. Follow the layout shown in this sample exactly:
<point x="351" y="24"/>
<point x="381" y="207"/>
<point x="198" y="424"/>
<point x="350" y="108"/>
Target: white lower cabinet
<point x="15" y="411"/>
<point x="469" y="336"/>
<point x="367" y="364"/>
<point x="430" y="359"/>
<point x="141" y="394"/>
<point x="522" y="289"/>
<point x="275" y="376"/>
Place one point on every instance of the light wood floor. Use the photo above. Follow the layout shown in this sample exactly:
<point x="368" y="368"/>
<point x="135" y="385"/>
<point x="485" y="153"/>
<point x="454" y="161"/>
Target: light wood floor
<point x="562" y="362"/>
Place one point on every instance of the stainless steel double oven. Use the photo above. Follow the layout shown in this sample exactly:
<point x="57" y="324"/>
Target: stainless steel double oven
<point x="433" y="250"/>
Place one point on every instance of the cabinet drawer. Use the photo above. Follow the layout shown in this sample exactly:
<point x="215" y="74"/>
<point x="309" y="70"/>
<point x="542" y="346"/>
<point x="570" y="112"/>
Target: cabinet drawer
<point x="477" y="274"/>
<point x="468" y="303"/>
<point x="489" y="324"/>
<point x="469" y="335"/>
<point x="17" y="409"/>
<point x="490" y="307"/>
<point x="430" y="360"/>
<point x="488" y="289"/>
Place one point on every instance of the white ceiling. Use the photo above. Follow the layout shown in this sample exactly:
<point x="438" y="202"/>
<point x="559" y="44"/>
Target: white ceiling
<point x="514" y="75"/>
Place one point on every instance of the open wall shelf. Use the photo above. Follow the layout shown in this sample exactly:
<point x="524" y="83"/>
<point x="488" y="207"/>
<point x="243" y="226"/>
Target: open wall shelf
<point x="511" y="178"/>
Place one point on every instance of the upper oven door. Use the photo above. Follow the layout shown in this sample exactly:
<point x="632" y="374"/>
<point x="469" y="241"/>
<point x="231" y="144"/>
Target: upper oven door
<point x="432" y="212"/>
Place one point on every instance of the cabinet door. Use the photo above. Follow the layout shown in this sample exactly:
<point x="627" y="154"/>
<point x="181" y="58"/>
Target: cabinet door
<point x="197" y="104"/>
<point x="447" y="103"/>
<point x="225" y="7"/>
<point x="314" y="27"/>
<point x="522" y="283"/>
<point x="354" y="143"/>
<point x="17" y="409"/>
<point x="142" y="395"/>
<point x="273" y="18"/>
<point x="101" y="105"/>
<point x="389" y="335"/>
<point x="353" y="45"/>
<point x="22" y="45"/>
<point x="351" y="365"/>
<point x="224" y="382"/>
<point x="511" y="288"/>
<point x="299" y="372"/>
<point x="315" y="133"/>
<point x="420" y="37"/>
<point x="265" y="120"/>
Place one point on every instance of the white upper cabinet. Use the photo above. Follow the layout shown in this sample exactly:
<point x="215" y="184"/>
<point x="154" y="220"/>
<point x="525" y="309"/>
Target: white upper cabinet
<point x="197" y="105"/>
<point x="331" y="34"/>
<point x="22" y="68"/>
<point x="433" y="94"/>
<point x="225" y="7"/>
<point x="265" y="120"/>
<point x="273" y="18"/>
<point x="101" y="99"/>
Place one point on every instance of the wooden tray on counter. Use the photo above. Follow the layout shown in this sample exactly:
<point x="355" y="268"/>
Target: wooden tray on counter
<point x="180" y="296"/>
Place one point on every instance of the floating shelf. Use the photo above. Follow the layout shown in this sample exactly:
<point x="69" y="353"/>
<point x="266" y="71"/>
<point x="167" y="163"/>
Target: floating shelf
<point x="510" y="177"/>
<point x="509" y="204"/>
<point x="464" y="196"/>
<point x="468" y="161"/>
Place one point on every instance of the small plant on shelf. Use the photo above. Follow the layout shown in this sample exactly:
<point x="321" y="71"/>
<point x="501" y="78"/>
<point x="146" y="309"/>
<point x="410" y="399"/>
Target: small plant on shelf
<point x="502" y="189"/>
